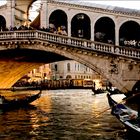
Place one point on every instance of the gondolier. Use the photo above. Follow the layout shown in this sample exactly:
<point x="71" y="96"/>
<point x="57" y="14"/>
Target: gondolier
<point x="124" y="114"/>
<point x="2" y="99"/>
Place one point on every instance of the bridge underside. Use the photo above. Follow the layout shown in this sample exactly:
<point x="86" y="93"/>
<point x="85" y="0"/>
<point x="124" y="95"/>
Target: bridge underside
<point x="16" y="63"/>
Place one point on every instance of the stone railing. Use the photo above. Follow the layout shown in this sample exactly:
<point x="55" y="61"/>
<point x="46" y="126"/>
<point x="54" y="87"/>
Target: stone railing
<point x="30" y="35"/>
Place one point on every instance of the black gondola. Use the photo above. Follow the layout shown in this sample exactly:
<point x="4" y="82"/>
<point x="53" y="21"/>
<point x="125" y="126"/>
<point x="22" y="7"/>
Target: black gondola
<point x="98" y="91"/>
<point x="124" y="114"/>
<point x="115" y="91"/>
<point x="17" y="103"/>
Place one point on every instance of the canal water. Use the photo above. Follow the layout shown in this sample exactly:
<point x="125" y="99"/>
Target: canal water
<point x="64" y="115"/>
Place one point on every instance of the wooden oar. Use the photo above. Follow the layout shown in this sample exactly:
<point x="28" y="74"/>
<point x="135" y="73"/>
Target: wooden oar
<point x="106" y="109"/>
<point x="94" y="116"/>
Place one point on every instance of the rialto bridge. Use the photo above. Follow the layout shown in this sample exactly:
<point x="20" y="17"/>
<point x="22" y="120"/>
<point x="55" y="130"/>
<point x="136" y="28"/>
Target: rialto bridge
<point x="106" y="39"/>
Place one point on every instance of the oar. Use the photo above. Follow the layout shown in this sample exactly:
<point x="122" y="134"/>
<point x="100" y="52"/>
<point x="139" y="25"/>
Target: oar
<point x="100" y="113"/>
<point x="94" y="116"/>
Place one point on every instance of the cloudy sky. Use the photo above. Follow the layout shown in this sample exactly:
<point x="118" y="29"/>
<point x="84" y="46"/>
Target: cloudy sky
<point x="121" y="3"/>
<point x="133" y="4"/>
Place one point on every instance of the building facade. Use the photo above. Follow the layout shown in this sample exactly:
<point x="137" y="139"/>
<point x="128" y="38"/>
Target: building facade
<point x="40" y="74"/>
<point x="70" y="69"/>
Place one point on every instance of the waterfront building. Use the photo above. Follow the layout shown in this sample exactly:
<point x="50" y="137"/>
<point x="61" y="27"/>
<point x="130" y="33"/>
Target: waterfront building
<point x="64" y="71"/>
<point x="40" y="74"/>
<point x="70" y="69"/>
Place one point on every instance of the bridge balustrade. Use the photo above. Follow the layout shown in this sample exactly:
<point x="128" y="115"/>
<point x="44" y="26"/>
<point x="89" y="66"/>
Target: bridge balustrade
<point x="28" y="35"/>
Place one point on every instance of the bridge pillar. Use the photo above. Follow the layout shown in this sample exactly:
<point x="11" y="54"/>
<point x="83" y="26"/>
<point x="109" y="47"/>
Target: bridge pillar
<point x="92" y="30"/>
<point x="116" y="36"/>
<point x="69" y="27"/>
<point x="11" y="11"/>
<point x="44" y="14"/>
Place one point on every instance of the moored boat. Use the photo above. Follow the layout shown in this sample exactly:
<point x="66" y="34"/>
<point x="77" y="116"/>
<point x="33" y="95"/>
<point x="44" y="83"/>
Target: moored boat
<point x="6" y="104"/>
<point x="125" y="115"/>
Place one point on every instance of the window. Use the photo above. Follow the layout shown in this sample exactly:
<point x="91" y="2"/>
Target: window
<point x="55" y="67"/>
<point x="75" y="66"/>
<point x="68" y="67"/>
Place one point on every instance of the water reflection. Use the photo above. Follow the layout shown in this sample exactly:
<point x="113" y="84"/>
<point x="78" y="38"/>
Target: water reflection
<point x="63" y="115"/>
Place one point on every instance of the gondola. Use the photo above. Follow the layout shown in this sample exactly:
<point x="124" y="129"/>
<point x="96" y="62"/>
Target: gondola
<point x="17" y="103"/>
<point x="125" y="115"/>
<point x="115" y="91"/>
<point x="98" y="91"/>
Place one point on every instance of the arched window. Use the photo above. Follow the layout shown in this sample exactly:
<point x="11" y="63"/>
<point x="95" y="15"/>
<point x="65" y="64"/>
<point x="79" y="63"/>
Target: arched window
<point x="56" y="67"/>
<point x="2" y="23"/>
<point x="68" y="67"/>
<point x="57" y="19"/>
<point x="80" y="26"/>
<point x="68" y="77"/>
<point x="105" y="30"/>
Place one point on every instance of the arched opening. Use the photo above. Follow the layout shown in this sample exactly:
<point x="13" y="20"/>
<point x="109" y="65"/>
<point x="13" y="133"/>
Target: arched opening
<point x="34" y="14"/>
<point x="105" y="30"/>
<point x="80" y="26"/>
<point x="2" y="23"/>
<point x="68" y="67"/>
<point x="129" y="34"/>
<point x="68" y="77"/>
<point x="58" y="19"/>
<point x="33" y="9"/>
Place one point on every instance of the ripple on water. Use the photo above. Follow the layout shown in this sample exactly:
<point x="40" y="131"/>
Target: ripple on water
<point x="63" y="115"/>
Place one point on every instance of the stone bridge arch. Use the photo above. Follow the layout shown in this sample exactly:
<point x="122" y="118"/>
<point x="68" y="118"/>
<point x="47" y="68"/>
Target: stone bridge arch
<point x="119" y="65"/>
<point x="16" y="63"/>
<point x="100" y="63"/>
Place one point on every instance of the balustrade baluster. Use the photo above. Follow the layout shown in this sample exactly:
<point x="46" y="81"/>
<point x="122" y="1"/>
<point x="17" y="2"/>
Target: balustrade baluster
<point x="15" y="35"/>
<point x="93" y="45"/>
<point x="85" y="44"/>
<point x="68" y="41"/>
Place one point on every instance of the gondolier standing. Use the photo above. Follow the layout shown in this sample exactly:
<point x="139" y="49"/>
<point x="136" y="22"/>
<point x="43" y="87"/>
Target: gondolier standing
<point x="1" y="99"/>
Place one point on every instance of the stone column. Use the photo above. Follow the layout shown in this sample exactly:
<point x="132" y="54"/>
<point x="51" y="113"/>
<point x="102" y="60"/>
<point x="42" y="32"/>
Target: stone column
<point x="44" y="20"/>
<point x="92" y="24"/>
<point x="11" y="10"/>
<point x="116" y="36"/>
<point x="69" y="27"/>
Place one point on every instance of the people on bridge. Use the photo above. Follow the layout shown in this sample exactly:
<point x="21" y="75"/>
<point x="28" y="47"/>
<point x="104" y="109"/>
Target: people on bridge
<point x="62" y="30"/>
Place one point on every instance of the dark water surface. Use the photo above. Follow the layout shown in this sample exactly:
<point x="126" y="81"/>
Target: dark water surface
<point x="64" y="115"/>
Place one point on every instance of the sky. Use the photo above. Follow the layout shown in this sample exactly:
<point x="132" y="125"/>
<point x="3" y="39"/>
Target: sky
<point x="133" y="4"/>
<point x="120" y="3"/>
